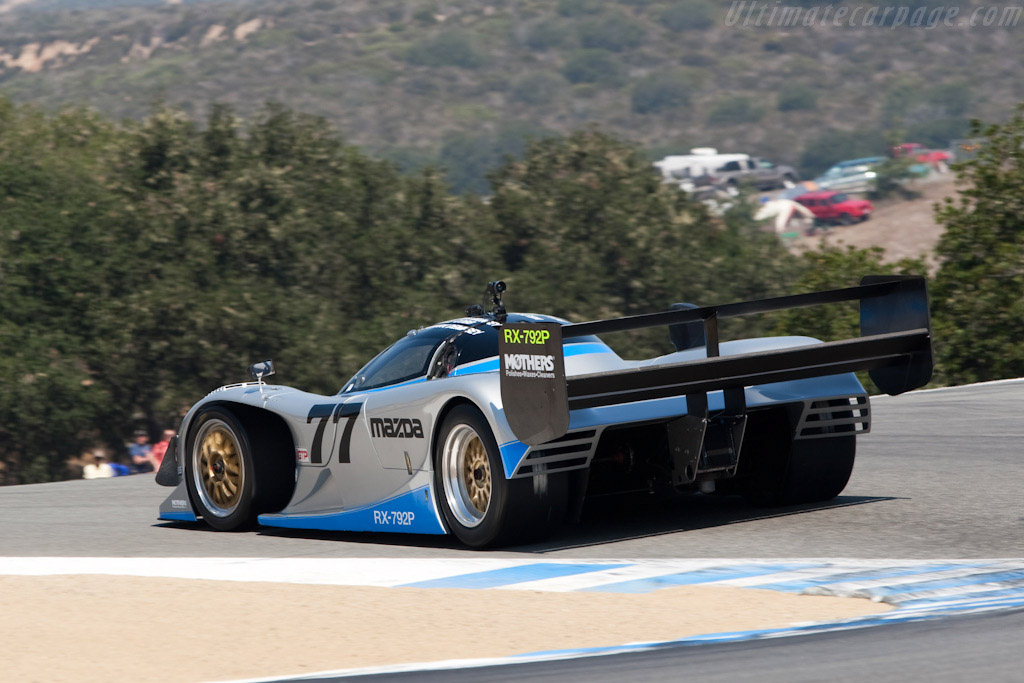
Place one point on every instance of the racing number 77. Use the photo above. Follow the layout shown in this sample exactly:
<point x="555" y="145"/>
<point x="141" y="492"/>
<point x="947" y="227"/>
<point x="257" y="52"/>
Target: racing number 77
<point x="333" y="412"/>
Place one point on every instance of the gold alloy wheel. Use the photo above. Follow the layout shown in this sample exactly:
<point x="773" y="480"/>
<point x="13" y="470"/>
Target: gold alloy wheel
<point x="219" y="470"/>
<point x="466" y="474"/>
<point x="476" y="472"/>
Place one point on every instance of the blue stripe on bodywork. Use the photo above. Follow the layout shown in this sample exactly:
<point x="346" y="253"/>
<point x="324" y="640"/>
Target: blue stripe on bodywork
<point x="512" y="575"/>
<point x="512" y="453"/>
<point x="389" y="515"/>
<point x="690" y="578"/>
<point x="178" y="516"/>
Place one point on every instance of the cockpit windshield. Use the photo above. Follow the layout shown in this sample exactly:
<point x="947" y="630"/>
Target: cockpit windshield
<point x="408" y="358"/>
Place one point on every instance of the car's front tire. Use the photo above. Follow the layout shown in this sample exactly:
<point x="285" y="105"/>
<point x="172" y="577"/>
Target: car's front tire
<point x="233" y="475"/>
<point x="480" y="506"/>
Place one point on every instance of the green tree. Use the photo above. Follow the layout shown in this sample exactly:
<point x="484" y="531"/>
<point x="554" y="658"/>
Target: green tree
<point x="979" y="288"/>
<point x="55" y="222"/>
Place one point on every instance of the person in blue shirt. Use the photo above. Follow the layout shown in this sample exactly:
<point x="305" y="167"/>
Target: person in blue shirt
<point x="141" y="453"/>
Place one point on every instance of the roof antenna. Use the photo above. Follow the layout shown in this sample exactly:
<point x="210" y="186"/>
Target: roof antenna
<point x="495" y="290"/>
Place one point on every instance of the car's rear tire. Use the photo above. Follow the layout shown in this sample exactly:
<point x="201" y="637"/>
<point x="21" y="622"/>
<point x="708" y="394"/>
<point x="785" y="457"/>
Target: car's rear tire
<point x="233" y="475"/>
<point x="776" y="469"/>
<point x="803" y="471"/>
<point x="480" y="506"/>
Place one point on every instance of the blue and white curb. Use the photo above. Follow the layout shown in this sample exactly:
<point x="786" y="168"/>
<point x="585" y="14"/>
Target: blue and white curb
<point x="917" y="589"/>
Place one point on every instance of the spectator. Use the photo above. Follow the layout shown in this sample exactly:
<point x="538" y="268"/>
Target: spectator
<point x="98" y="468"/>
<point x="141" y="453"/>
<point x="160" y="448"/>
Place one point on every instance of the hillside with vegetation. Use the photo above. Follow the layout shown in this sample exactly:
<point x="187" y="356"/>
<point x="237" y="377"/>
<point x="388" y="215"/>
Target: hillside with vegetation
<point x="460" y="83"/>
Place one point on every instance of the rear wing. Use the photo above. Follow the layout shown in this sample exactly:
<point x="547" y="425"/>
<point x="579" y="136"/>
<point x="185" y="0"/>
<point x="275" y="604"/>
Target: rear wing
<point x="894" y="347"/>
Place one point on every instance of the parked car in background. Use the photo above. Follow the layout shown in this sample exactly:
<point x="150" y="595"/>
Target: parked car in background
<point x="704" y="167"/>
<point x="700" y="163"/>
<point x="762" y="174"/>
<point x="854" y="175"/>
<point x="836" y="207"/>
<point x="921" y="154"/>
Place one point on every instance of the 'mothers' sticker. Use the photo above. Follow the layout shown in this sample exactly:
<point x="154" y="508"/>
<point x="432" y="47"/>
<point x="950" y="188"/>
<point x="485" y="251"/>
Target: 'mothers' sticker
<point x="529" y="365"/>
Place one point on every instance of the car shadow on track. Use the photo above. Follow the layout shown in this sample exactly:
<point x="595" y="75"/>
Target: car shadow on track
<point x="624" y="520"/>
<point x="609" y="521"/>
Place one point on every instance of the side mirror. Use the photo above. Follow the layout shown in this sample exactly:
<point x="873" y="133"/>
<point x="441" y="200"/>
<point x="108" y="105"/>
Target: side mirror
<point x="260" y="370"/>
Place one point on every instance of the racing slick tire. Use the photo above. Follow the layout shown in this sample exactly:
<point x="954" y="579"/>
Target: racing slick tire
<point x="480" y="506"/>
<point x="232" y="473"/>
<point x="810" y="471"/>
<point x="781" y="470"/>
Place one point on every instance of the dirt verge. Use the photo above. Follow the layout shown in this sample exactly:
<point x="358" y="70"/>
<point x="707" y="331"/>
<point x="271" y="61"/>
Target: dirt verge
<point x="123" y="628"/>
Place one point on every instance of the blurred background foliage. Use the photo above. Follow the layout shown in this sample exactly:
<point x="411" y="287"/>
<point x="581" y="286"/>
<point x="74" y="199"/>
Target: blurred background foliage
<point x="144" y="263"/>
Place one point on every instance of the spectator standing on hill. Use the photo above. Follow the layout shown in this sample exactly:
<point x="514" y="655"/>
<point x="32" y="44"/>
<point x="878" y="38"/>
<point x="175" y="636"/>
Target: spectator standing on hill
<point x="141" y="453"/>
<point x="160" y="448"/>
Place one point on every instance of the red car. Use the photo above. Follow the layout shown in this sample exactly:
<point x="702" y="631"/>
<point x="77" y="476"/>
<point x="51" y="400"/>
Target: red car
<point x="836" y="207"/>
<point x="921" y="154"/>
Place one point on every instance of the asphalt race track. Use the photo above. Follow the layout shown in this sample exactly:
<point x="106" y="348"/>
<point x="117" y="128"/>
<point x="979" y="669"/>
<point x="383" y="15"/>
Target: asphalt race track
<point x="939" y="477"/>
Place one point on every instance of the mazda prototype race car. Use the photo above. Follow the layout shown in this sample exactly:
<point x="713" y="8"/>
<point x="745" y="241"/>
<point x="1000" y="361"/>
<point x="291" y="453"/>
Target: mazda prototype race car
<point x="496" y="426"/>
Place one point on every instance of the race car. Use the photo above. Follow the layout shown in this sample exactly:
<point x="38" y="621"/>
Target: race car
<point x="495" y="427"/>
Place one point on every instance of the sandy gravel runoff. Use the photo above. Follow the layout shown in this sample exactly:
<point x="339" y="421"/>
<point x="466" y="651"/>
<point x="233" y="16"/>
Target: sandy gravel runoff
<point x="123" y="628"/>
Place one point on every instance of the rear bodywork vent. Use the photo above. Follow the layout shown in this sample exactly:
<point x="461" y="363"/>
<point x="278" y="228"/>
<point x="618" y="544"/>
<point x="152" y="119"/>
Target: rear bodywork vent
<point x="570" y="452"/>
<point x="831" y="417"/>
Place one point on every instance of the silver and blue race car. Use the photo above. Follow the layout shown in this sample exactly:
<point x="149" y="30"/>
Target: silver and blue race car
<point x="495" y="427"/>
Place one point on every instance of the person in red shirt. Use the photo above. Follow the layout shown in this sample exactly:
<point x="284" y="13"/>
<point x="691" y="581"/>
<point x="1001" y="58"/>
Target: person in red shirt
<point x="160" y="448"/>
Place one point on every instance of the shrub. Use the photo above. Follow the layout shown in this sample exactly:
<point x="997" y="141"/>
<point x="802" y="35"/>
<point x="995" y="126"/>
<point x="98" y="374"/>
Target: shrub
<point x="451" y="48"/>
<point x="538" y="88"/>
<point x="577" y="8"/>
<point x="614" y="32"/>
<point x="735" y="110"/>
<point x="592" y="66"/>
<point x="797" y="98"/>
<point x="425" y="16"/>
<point x="661" y="92"/>
<point x="688" y="15"/>
<point x="544" y="35"/>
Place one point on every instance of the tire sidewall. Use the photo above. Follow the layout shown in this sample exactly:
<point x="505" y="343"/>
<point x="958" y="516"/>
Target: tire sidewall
<point x="241" y="516"/>
<point x="491" y="526"/>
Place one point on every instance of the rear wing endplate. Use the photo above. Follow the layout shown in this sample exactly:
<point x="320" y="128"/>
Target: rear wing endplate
<point x="894" y="347"/>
